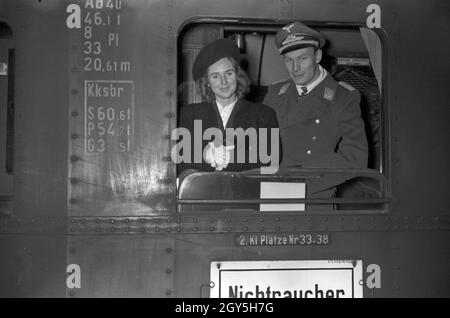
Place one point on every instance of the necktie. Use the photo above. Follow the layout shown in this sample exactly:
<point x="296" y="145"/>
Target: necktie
<point x="304" y="90"/>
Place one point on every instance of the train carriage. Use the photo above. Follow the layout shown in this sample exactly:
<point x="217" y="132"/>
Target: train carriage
<point x="91" y="204"/>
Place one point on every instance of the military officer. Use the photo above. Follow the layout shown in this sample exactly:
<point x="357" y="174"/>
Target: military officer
<point x="319" y="118"/>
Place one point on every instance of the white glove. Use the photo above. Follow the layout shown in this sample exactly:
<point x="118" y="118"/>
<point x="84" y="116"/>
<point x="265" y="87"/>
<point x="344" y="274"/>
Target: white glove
<point x="218" y="157"/>
<point x="209" y="155"/>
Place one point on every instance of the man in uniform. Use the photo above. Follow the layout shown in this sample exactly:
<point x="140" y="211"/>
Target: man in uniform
<point x="319" y="118"/>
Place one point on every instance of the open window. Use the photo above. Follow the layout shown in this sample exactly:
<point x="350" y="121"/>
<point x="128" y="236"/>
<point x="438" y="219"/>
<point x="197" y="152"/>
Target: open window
<point x="6" y="118"/>
<point x="353" y="54"/>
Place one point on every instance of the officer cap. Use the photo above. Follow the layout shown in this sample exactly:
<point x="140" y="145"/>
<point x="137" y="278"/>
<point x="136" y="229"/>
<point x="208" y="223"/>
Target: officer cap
<point x="297" y="36"/>
<point x="213" y="52"/>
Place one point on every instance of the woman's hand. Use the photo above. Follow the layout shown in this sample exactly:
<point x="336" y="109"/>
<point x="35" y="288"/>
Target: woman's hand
<point x="218" y="157"/>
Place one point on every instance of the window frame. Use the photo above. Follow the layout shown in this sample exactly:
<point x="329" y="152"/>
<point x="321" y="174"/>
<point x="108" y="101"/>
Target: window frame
<point x="272" y="25"/>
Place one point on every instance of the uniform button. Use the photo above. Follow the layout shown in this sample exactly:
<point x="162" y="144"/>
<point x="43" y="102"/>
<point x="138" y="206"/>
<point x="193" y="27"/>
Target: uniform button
<point x="314" y="138"/>
<point x="317" y="121"/>
<point x="308" y="152"/>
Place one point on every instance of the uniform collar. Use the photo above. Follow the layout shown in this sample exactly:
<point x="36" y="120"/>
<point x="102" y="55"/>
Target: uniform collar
<point x="313" y="84"/>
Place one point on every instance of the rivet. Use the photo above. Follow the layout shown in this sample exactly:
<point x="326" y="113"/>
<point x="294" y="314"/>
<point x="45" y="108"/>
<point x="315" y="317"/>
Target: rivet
<point x="73" y="201"/>
<point x="228" y="220"/>
<point x="72" y="293"/>
<point x="169" y="220"/>
<point x="169" y="93"/>
<point x="74" y="136"/>
<point x="168" y="271"/>
<point x="156" y="221"/>
<point x="168" y="250"/>
<point x="195" y="229"/>
<point x="228" y="229"/>
<point x="261" y="220"/>
<point x="113" y="229"/>
<point x="277" y="219"/>
<point x="113" y="221"/>
<point x="261" y="229"/>
<point x="212" y="229"/>
<point x="168" y="292"/>
<point x="169" y="28"/>
<point x="157" y="229"/>
<point x="73" y="180"/>
<point x="277" y="228"/>
<point x="245" y="220"/>
<point x="74" y="158"/>
<point x="195" y="220"/>
<point x="294" y="228"/>
<point x="169" y="115"/>
<point x="178" y="229"/>
<point x="245" y="228"/>
<point x="168" y="230"/>
<point x="142" y="229"/>
<point x="72" y="250"/>
<point x="98" y="220"/>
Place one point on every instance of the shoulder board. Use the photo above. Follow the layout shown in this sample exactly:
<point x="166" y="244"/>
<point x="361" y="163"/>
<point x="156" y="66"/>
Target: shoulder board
<point x="278" y="82"/>
<point x="347" y="86"/>
<point x="284" y="88"/>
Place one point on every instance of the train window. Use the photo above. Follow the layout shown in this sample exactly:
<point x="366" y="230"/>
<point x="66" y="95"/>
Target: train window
<point x="353" y="54"/>
<point x="6" y="118"/>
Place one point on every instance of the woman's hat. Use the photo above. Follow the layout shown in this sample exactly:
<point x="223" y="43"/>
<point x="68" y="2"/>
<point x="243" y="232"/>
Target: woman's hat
<point x="213" y="52"/>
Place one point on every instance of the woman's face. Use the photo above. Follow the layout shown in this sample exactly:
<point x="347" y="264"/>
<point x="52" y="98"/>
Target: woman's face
<point x="222" y="80"/>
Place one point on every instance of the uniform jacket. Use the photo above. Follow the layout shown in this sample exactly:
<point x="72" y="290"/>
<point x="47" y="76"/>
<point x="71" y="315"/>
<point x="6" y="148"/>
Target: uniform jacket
<point x="322" y="129"/>
<point x="244" y="115"/>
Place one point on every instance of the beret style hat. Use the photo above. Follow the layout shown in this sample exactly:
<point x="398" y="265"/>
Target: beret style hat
<point x="213" y="52"/>
<point x="297" y="36"/>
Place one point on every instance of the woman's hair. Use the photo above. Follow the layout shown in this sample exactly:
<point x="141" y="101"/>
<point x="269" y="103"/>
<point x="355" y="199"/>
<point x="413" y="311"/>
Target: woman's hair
<point x="242" y="85"/>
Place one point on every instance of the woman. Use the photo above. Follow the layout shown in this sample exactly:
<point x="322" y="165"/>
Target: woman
<point x="223" y="85"/>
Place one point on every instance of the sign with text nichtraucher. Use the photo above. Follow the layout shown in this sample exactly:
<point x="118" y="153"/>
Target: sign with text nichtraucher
<point x="287" y="279"/>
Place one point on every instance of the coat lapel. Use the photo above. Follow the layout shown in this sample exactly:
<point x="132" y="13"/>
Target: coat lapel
<point x="234" y="114"/>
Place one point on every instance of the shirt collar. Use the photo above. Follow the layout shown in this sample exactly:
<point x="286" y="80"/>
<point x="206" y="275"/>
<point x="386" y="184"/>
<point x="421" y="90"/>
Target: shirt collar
<point x="228" y="107"/>
<point x="313" y="84"/>
<point x="225" y="111"/>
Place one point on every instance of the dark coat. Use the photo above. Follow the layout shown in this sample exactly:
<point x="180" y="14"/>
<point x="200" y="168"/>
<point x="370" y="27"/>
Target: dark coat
<point x="244" y="115"/>
<point x="322" y="129"/>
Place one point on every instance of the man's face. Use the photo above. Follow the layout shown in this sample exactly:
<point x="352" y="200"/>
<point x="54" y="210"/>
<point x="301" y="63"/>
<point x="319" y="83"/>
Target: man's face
<point x="302" y="64"/>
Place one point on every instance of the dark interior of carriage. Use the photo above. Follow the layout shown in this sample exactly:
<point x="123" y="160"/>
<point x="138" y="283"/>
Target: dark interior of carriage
<point x="346" y="57"/>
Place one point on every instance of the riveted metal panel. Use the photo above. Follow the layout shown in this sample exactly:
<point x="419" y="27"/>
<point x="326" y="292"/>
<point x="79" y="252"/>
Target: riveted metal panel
<point x="122" y="266"/>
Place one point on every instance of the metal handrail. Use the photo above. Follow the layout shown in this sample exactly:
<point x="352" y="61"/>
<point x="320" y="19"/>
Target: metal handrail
<point x="293" y="173"/>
